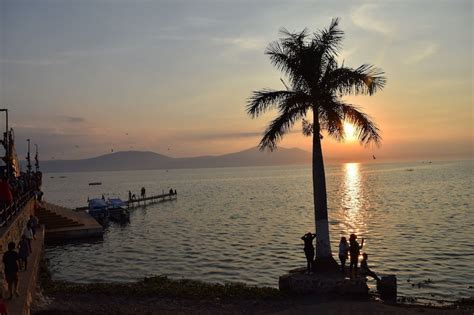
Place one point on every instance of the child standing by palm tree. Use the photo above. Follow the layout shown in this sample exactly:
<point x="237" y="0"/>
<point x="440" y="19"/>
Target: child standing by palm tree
<point x="309" y="249"/>
<point x="343" y="252"/>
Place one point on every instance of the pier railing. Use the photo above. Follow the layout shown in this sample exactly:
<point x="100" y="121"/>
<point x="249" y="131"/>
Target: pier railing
<point x="7" y="212"/>
<point x="136" y="202"/>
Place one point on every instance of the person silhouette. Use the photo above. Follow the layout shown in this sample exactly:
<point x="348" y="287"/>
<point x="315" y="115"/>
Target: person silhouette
<point x="365" y="270"/>
<point x="309" y="250"/>
<point x="354" y="250"/>
<point x="343" y="252"/>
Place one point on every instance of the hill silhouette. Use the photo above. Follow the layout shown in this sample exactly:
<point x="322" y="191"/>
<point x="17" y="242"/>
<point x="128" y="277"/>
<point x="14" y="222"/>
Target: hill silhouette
<point x="147" y="160"/>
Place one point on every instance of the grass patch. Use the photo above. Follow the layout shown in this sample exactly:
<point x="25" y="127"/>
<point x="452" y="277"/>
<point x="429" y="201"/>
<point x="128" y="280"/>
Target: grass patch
<point x="161" y="286"/>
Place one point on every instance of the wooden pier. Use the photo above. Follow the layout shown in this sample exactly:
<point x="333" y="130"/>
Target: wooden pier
<point x="142" y="202"/>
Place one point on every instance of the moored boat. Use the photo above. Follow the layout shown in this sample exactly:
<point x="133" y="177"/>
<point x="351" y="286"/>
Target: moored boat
<point x="98" y="210"/>
<point x="117" y="211"/>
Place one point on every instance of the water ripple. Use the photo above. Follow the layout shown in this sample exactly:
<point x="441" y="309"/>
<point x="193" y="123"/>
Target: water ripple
<point x="244" y="224"/>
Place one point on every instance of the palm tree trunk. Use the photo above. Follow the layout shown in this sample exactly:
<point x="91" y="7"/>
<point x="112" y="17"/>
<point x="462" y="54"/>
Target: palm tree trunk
<point x="323" y="245"/>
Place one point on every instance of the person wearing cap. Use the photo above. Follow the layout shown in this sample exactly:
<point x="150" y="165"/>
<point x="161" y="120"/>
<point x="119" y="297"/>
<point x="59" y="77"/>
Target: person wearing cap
<point x="354" y="250"/>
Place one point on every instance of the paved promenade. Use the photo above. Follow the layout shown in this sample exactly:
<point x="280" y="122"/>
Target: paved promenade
<point x="27" y="279"/>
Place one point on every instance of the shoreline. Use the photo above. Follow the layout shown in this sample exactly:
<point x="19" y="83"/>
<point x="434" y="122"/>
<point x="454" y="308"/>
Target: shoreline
<point x="159" y="294"/>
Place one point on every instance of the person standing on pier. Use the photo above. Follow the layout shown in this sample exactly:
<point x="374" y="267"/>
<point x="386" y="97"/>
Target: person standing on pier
<point x="309" y="249"/>
<point x="143" y="192"/>
<point x="10" y="260"/>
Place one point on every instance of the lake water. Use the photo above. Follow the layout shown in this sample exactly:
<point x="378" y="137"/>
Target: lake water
<point x="244" y="224"/>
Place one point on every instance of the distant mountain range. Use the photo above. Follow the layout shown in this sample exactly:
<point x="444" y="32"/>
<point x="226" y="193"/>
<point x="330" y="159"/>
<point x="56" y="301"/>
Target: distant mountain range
<point x="146" y="160"/>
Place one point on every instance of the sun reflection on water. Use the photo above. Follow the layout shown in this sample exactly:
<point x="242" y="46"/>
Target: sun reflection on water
<point x="352" y="198"/>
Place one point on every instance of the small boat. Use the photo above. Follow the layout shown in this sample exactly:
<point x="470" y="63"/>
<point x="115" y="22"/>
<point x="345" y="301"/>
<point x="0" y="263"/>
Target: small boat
<point x="117" y="211"/>
<point x="99" y="211"/>
<point x="95" y="183"/>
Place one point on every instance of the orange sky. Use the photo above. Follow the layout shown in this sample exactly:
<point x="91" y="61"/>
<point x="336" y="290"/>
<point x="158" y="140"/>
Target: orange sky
<point x="81" y="79"/>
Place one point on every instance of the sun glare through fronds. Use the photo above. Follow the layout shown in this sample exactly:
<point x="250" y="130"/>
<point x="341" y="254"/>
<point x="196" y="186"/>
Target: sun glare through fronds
<point x="349" y="132"/>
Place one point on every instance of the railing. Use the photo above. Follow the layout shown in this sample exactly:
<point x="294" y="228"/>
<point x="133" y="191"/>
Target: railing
<point x="7" y="213"/>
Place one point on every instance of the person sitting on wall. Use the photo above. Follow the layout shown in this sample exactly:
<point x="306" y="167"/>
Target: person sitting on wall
<point x="364" y="268"/>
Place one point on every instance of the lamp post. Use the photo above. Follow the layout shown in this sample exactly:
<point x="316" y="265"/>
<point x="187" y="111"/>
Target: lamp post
<point x="5" y="143"/>
<point x="36" y="159"/>
<point x="28" y="159"/>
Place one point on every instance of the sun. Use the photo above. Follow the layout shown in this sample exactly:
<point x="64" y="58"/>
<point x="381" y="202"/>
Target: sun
<point x="349" y="132"/>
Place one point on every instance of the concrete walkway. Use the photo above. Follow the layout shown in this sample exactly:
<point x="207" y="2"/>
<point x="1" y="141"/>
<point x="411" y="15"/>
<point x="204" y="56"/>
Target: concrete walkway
<point x="27" y="279"/>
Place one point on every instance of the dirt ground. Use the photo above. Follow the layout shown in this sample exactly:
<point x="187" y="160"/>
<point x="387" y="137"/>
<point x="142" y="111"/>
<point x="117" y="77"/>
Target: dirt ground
<point x="116" y="304"/>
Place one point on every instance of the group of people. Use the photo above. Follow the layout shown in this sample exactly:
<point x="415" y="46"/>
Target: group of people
<point x="346" y="249"/>
<point x="13" y="187"/>
<point x="15" y="261"/>
<point x="134" y="197"/>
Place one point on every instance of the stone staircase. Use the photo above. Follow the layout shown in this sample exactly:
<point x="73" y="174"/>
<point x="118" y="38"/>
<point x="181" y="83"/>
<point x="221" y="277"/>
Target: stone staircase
<point x="53" y="220"/>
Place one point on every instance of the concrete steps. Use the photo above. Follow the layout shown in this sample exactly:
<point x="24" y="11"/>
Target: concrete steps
<point x="65" y="224"/>
<point x="53" y="220"/>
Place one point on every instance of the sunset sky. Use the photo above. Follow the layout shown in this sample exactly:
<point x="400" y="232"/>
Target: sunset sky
<point x="81" y="78"/>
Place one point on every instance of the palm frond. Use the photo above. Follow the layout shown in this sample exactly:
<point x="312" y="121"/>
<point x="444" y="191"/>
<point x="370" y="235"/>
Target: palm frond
<point x="295" y="57"/>
<point x="331" y="119"/>
<point x="280" y="126"/>
<point x="263" y="100"/>
<point x="330" y="39"/>
<point x="307" y="128"/>
<point x="366" y="79"/>
<point x="367" y="131"/>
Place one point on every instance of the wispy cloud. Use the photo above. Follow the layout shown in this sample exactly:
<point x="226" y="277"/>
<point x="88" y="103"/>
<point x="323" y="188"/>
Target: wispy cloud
<point x="228" y="135"/>
<point x="66" y="56"/>
<point x="244" y="43"/>
<point x="422" y="52"/>
<point x="365" y="16"/>
<point x="240" y="42"/>
<point x="33" y="61"/>
<point x="73" y="119"/>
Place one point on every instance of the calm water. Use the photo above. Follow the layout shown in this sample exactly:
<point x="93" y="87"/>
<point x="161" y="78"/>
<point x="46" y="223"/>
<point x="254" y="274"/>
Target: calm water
<point x="245" y="224"/>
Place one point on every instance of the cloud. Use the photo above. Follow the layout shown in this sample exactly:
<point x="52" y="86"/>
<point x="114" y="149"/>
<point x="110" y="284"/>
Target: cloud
<point x="244" y="43"/>
<point x="33" y="62"/>
<point x="241" y="42"/>
<point x="73" y="119"/>
<point x="228" y="135"/>
<point x="422" y="52"/>
<point x="365" y="17"/>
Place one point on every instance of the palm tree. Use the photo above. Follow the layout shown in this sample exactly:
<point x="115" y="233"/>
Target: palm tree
<point x="316" y="84"/>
